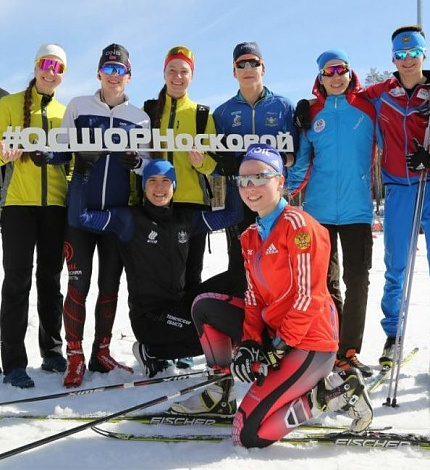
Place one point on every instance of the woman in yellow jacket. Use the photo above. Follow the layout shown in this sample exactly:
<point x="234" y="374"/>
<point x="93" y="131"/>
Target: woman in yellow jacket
<point x="174" y="110"/>
<point x="33" y="216"/>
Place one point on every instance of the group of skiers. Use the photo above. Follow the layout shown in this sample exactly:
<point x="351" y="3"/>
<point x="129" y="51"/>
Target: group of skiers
<point x="279" y="301"/>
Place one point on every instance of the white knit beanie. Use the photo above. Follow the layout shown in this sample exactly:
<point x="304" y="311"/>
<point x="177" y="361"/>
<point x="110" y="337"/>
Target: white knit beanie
<point x="52" y="49"/>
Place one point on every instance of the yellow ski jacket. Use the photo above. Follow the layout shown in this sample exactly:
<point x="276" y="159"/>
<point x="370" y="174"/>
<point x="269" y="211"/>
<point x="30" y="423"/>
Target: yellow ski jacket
<point x="25" y="184"/>
<point x="180" y="115"/>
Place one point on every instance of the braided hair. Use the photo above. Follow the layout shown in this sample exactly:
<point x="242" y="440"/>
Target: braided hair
<point x="27" y="110"/>
<point x="161" y="102"/>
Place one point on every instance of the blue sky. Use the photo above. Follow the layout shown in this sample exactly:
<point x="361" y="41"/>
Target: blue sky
<point x="291" y="35"/>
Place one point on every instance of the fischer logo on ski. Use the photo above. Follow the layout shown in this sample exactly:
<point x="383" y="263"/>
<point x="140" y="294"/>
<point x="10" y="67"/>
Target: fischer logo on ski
<point x="183" y="421"/>
<point x="364" y="442"/>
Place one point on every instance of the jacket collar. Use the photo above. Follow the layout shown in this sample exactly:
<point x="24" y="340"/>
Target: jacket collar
<point x="426" y="74"/>
<point x="353" y="88"/>
<point x="157" y="213"/>
<point x="265" y="94"/>
<point x="37" y="97"/>
<point x="97" y="94"/>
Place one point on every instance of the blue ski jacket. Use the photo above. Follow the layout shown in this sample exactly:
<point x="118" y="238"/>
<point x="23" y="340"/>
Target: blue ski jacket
<point x="335" y="158"/>
<point x="270" y="115"/>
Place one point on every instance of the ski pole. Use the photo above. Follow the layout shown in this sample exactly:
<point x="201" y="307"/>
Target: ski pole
<point x="404" y="305"/>
<point x="88" y="391"/>
<point x="409" y="271"/>
<point x="82" y="427"/>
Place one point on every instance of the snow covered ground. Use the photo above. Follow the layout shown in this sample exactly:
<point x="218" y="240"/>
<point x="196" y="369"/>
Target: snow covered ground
<point x="87" y="450"/>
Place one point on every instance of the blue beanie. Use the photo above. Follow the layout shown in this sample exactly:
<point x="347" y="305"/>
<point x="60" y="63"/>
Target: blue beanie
<point x="265" y="153"/>
<point x="159" y="167"/>
<point x="409" y="40"/>
<point x="330" y="55"/>
<point x="246" y="48"/>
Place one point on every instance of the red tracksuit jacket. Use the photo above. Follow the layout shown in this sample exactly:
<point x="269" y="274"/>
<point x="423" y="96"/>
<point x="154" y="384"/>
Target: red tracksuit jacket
<point x="287" y="283"/>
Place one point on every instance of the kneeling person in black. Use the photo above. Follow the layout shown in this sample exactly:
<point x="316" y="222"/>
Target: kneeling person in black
<point x="154" y="242"/>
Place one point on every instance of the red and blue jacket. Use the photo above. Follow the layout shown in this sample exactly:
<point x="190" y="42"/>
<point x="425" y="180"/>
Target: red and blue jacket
<point x="399" y="121"/>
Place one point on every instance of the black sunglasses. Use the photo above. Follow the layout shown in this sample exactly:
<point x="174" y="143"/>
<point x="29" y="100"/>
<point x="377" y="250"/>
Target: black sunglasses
<point x="253" y="63"/>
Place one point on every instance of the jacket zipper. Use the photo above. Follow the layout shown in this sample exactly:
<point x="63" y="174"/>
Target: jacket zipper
<point x="337" y="157"/>
<point x="253" y="113"/>
<point x="171" y="125"/>
<point x="44" y="168"/>
<point x="106" y="169"/>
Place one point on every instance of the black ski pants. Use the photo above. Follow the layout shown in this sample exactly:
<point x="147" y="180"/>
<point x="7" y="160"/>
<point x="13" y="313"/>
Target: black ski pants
<point x="194" y="267"/>
<point x="356" y="241"/>
<point x="167" y="330"/>
<point x="79" y="248"/>
<point x="233" y="280"/>
<point x="24" y="229"/>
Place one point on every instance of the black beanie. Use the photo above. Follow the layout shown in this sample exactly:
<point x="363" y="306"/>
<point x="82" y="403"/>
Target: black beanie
<point x="247" y="48"/>
<point x="115" y="53"/>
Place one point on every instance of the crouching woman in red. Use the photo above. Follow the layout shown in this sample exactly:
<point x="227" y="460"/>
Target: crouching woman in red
<point x="288" y="321"/>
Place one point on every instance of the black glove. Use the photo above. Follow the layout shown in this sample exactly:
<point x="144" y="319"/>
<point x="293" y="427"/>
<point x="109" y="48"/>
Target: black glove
<point x="84" y="161"/>
<point x="227" y="163"/>
<point x="302" y="118"/>
<point x="39" y="158"/>
<point x="130" y="160"/>
<point x="241" y="367"/>
<point x="420" y="160"/>
<point x="278" y="349"/>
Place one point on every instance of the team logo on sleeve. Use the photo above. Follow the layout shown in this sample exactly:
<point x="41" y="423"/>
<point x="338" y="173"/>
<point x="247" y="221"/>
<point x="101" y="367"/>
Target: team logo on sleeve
<point x="302" y="241"/>
<point x="182" y="236"/>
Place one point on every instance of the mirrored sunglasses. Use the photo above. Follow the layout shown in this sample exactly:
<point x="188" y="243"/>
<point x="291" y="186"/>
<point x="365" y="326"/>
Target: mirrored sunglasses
<point x="49" y="64"/>
<point x="253" y="63"/>
<point x="259" y="179"/>
<point x="110" y="69"/>
<point x="340" y="69"/>
<point x="413" y="53"/>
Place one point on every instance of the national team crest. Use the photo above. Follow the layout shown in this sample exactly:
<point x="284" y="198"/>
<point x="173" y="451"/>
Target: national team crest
<point x="302" y="241"/>
<point x="271" y="121"/>
<point x="182" y="236"/>
<point x="406" y="38"/>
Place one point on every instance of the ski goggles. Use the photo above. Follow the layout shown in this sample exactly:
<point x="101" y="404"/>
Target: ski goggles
<point x="259" y="179"/>
<point x="50" y="64"/>
<point x="330" y="70"/>
<point x="253" y="63"/>
<point x="110" y="69"/>
<point x="180" y="52"/>
<point x="413" y="53"/>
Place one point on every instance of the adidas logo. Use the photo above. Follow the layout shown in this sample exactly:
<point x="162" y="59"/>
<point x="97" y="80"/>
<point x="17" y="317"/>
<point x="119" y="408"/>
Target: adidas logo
<point x="271" y="250"/>
<point x="152" y="237"/>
